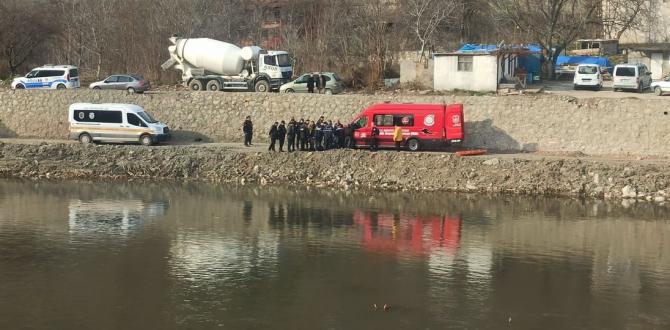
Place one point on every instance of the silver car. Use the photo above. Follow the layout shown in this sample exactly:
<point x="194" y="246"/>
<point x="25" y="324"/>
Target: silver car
<point x="130" y="82"/>
<point x="334" y="84"/>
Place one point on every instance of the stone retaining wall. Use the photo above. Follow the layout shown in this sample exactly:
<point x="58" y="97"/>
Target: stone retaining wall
<point x="530" y="123"/>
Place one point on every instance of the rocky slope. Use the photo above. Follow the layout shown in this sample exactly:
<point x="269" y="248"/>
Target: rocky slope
<point x="342" y="169"/>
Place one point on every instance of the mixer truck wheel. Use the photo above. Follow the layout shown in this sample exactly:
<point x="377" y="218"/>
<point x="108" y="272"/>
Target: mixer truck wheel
<point x="195" y="85"/>
<point x="213" y="86"/>
<point x="262" y="86"/>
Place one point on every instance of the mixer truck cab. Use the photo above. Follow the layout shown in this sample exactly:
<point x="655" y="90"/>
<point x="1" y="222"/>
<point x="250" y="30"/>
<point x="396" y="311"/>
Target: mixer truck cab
<point x="114" y="122"/>
<point x="423" y="126"/>
<point x="208" y="64"/>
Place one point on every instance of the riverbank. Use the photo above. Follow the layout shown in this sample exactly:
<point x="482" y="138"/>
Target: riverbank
<point x="342" y="170"/>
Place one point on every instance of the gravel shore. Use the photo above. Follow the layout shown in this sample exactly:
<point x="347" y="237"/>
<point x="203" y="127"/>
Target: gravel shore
<point x="341" y="170"/>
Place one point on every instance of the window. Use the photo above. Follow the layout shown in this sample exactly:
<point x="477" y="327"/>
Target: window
<point x="137" y="77"/>
<point x="147" y="117"/>
<point x="98" y="116"/>
<point x="588" y="69"/>
<point x="465" y="63"/>
<point x="112" y="79"/>
<point x="394" y="120"/>
<point x="51" y="73"/>
<point x="271" y="60"/>
<point x="625" y="71"/>
<point x="284" y="60"/>
<point x="125" y="79"/>
<point x="302" y="79"/>
<point x="337" y="78"/>
<point x="134" y="120"/>
<point x="32" y="74"/>
<point x="74" y="73"/>
<point x="361" y="122"/>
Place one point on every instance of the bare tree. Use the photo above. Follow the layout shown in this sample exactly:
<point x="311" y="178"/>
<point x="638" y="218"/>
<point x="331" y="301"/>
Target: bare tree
<point x="22" y="31"/>
<point x="620" y="16"/>
<point x="554" y="24"/>
<point x="426" y="17"/>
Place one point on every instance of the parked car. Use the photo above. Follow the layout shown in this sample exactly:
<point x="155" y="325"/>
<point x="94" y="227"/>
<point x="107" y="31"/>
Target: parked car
<point x="423" y="126"/>
<point x="334" y="84"/>
<point x="588" y="76"/>
<point x="631" y="77"/>
<point x="49" y="77"/>
<point x="114" y="123"/>
<point x="661" y="86"/>
<point x="130" y="82"/>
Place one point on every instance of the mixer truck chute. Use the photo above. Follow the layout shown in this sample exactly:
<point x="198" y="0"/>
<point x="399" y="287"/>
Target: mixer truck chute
<point x="215" y="65"/>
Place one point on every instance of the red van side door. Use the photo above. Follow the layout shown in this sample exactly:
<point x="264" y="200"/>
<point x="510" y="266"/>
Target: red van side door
<point x="454" y="122"/>
<point x="362" y="133"/>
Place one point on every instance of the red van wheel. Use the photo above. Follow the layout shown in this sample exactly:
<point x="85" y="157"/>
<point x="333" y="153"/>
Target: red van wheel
<point x="413" y="145"/>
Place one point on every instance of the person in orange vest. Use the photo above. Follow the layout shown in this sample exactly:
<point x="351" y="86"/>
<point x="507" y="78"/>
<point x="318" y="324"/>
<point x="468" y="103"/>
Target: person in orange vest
<point x="397" y="137"/>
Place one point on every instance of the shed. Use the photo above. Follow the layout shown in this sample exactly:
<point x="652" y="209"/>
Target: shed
<point x="482" y="68"/>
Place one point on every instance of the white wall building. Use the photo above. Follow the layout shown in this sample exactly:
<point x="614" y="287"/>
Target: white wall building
<point x="479" y="72"/>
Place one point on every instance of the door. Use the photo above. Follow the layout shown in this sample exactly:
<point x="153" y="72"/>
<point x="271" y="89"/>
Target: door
<point x="135" y="127"/>
<point x="384" y="123"/>
<point x="362" y="131"/>
<point x="300" y="84"/>
<point x="32" y="80"/>
<point x="657" y="65"/>
<point x="123" y="82"/>
<point x="110" y="83"/>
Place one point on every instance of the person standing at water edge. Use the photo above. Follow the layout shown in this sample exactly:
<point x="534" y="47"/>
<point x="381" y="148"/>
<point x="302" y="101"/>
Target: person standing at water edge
<point x="290" y="133"/>
<point x="273" y="136"/>
<point x="373" y="138"/>
<point x="281" y="135"/>
<point x="248" y="129"/>
<point x="397" y="137"/>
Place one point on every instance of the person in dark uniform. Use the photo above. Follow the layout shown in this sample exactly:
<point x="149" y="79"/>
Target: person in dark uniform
<point x="310" y="84"/>
<point x="373" y="138"/>
<point x="339" y="135"/>
<point x="281" y="135"/>
<point x="298" y="134"/>
<point x="322" y="84"/>
<point x="290" y="133"/>
<point x="248" y="129"/>
<point x="273" y="136"/>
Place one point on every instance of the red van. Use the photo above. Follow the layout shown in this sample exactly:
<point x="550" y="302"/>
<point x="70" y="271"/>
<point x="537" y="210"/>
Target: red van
<point x="424" y="126"/>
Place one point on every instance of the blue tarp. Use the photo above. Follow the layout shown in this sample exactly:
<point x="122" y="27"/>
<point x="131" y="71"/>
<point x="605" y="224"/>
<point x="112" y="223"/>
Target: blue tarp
<point x="576" y="60"/>
<point x="479" y="48"/>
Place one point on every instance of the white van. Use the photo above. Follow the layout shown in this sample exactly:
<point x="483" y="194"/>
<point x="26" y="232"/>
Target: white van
<point x="114" y="122"/>
<point x="631" y="76"/>
<point x="49" y="77"/>
<point x="588" y="75"/>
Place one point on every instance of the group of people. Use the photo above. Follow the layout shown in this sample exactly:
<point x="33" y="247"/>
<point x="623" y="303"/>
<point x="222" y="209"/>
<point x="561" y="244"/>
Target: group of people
<point x="308" y="135"/>
<point x="316" y="82"/>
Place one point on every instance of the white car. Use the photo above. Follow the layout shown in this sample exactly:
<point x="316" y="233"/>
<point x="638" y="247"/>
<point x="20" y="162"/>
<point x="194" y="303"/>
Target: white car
<point x="661" y="86"/>
<point x="49" y="77"/>
<point x="588" y="76"/>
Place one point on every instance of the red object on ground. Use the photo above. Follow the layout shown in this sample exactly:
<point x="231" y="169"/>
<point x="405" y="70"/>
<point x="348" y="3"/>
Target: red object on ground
<point x="471" y="152"/>
<point x="423" y="125"/>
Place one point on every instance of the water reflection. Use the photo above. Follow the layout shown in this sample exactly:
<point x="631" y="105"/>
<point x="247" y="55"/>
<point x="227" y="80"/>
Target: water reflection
<point x="202" y="257"/>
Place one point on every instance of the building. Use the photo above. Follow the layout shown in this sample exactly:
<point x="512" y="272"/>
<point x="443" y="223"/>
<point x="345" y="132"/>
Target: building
<point x="482" y="68"/>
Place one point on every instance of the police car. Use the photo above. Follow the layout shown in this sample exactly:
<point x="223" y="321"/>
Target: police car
<point x="49" y="77"/>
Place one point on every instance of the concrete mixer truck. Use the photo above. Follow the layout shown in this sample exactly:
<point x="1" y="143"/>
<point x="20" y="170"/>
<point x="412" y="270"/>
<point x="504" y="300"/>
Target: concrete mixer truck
<point x="208" y="64"/>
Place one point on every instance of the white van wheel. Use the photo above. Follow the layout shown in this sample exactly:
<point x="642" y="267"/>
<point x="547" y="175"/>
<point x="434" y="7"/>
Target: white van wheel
<point x="146" y="140"/>
<point x="288" y="90"/>
<point x="85" y="138"/>
<point x="658" y="91"/>
<point x="20" y="86"/>
<point x="413" y="145"/>
<point x="60" y="86"/>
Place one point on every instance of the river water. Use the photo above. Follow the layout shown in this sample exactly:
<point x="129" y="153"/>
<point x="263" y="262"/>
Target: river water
<point x="186" y="256"/>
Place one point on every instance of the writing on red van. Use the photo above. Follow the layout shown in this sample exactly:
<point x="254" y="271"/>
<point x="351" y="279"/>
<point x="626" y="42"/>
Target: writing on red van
<point x="423" y="126"/>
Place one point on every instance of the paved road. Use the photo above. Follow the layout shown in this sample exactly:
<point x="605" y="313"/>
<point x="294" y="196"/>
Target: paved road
<point x="565" y="87"/>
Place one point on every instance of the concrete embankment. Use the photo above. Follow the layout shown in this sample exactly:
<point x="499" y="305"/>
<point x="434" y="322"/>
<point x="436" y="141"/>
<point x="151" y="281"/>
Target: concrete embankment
<point x="342" y="169"/>
<point x="523" y="123"/>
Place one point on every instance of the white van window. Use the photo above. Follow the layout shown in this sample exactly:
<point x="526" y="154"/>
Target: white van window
<point x="98" y="116"/>
<point x="134" y="120"/>
<point x="147" y="117"/>
<point x="588" y="69"/>
<point x="50" y="73"/>
<point x="625" y="72"/>
<point x="32" y="74"/>
<point x="74" y="72"/>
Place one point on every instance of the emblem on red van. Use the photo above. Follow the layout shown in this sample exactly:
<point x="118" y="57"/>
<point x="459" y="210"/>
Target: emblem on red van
<point x="405" y="121"/>
<point x="429" y="120"/>
<point x="456" y="120"/>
